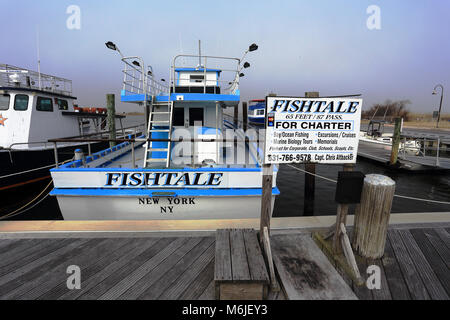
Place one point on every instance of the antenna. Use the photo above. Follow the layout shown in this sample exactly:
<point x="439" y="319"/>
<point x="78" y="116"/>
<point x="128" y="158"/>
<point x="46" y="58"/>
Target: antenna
<point x="199" y="54"/>
<point x="38" y="57"/>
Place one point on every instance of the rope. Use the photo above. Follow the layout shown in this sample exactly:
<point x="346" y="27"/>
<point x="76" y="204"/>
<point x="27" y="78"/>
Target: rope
<point x="31" y="170"/>
<point x="28" y="203"/>
<point x="395" y="195"/>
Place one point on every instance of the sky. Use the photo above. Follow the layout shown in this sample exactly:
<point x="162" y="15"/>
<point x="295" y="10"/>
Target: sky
<point x="321" y="45"/>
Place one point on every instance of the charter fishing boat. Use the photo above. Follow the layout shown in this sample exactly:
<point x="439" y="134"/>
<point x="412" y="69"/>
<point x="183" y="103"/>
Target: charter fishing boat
<point x="36" y="107"/>
<point x="257" y="111"/>
<point x="191" y="164"/>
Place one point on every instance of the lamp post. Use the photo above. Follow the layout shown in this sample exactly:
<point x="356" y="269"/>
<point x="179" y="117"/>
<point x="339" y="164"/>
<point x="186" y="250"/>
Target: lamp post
<point x="440" y="105"/>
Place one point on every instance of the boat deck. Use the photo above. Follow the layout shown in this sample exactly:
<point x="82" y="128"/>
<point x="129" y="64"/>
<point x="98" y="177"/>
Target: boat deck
<point x="180" y="265"/>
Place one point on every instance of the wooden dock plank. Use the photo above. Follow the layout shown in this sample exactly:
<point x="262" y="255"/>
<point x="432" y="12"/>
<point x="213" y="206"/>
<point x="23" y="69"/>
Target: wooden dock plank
<point x="444" y="234"/>
<point x="6" y="245"/>
<point x="430" y="280"/>
<point x="97" y="262"/>
<point x="45" y="275"/>
<point x="200" y="284"/>
<point x="415" y="285"/>
<point x="136" y="247"/>
<point x="257" y="266"/>
<point x="23" y="249"/>
<point x="163" y="283"/>
<point x="434" y="236"/>
<point x="383" y="293"/>
<point x="362" y="292"/>
<point x="394" y="277"/>
<point x="187" y="277"/>
<point x="239" y="264"/>
<point x="209" y="293"/>
<point x="153" y="276"/>
<point x="153" y="245"/>
<point x="434" y="259"/>
<point x="304" y="270"/>
<point x="58" y="276"/>
<point x="42" y="256"/>
<point x="117" y="290"/>
<point x="223" y="258"/>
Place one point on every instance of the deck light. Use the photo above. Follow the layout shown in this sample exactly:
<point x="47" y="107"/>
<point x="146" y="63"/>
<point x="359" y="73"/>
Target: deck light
<point x="136" y="63"/>
<point x="246" y="65"/>
<point x="253" y="47"/>
<point x="111" y="45"/>
<point x="241" y="74"/>
<point x="149" y="73"/>
<point x="164" y="80"/>
<point x="440" y="105"/>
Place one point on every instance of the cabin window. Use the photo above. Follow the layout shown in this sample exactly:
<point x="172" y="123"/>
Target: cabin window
<point x="178" y="117"/>
<point x="4" y="101"/>
<point x="21" y="102"/>
<point x="197" y="78"/>
<point x="195" y="115"/>
<point x="44" y="104"/>
<point x="62" y="104"/>
<point x="260" y="112"/>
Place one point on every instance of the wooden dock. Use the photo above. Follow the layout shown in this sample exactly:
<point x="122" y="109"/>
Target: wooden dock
<point x="174" y="265"/>
<point x="381" y="154"/>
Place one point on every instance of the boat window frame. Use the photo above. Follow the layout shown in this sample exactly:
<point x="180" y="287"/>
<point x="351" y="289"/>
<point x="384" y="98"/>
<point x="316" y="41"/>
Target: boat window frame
<point x="66" y="107"/>
<point x="28" y="102"/>
<point x="38" y="99"/>
<point x="197" y="78"/>
<point x="9" y="101"/>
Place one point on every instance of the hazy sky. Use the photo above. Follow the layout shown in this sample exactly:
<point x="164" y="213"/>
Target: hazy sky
<point x="321" y="45"/>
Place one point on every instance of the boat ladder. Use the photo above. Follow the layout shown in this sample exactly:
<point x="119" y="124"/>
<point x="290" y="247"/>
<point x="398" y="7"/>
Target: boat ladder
<point x="159" y="127"/>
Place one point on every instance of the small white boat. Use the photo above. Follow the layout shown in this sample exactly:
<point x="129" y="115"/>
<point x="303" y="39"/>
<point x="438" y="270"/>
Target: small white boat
<point x="257" y="111"/>
<point x="375" y="134"/>
<point x="182" y="168"/>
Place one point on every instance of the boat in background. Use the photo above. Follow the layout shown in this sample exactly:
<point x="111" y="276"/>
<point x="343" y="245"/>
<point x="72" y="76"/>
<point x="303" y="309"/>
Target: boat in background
<point x="191" y="164"/>
<point x="36" y="107"/>
<point x="257" y="111"/>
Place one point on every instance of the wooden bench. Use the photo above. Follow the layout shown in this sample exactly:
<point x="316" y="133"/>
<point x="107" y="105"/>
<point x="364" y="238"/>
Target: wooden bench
<point x="240" y="270"/>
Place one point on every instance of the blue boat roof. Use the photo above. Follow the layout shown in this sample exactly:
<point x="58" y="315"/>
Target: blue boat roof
<point x="260" y="105"/>
<point x="197" y="70"/>
<point x="127" y="96"/>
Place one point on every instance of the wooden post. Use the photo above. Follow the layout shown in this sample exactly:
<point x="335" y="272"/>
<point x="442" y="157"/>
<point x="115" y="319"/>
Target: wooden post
<point x="341" y="218"/>
<point x="111" y="118"/>
<point x="236" y="115"/>
<point x="372" y="216"/>
<point x="310" y="179"/>
<point x="266" y="199"/>
<point x="244" y="116"/>
<point x="310" y="187"/>
<point x="396" y="141"/>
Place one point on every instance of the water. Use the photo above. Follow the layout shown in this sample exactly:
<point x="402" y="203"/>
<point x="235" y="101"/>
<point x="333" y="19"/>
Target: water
<point x="426" y="186"/>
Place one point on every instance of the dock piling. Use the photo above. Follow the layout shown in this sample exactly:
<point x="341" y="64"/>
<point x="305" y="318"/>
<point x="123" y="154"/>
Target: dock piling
<point x="395" y="141"/>
<point x="111" y="117"/>
<point x="372" y="216"/>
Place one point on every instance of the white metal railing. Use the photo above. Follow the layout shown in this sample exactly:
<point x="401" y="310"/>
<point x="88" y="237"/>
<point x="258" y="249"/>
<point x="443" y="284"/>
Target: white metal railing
<point x="11" y="76"/>
<point x="229" y="68"/>
<point x="136" y="80"/>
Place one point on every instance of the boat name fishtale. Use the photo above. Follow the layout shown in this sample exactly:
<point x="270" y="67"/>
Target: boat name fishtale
<point x="139" y="179"/>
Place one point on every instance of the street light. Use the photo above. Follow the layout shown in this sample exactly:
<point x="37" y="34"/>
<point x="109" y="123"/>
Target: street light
<point x="440" y="105"/>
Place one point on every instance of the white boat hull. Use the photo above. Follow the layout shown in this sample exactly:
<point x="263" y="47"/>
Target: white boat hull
<point x="166" y="208"/>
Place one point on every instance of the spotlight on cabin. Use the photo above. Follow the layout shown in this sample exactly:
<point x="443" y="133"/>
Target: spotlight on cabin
<point x="241" y="75"/>
<point x="136" y="63"/>
<point x="111" y="45"/>
<point x="253" y="47"/>
<point x="149" y="73"/>
<point x="164" y="80"/>
<point x="246" y="65"/>
<point x="434" y="92"/>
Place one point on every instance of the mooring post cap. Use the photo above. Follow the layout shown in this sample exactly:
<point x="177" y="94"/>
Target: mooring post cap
<point x="379" y="179"/>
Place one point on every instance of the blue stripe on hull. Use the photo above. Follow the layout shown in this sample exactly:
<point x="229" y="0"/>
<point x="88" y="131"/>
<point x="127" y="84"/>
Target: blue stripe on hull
<point x="158" y="192"/>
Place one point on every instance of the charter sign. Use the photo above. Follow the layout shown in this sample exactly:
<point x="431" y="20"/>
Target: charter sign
<point x="317" y="130"/>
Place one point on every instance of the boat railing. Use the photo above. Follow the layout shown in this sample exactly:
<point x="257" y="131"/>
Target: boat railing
<point x="228" y="67"/>
<point x="137" y="80"/>
<point x="252" y="143"/>
<point x="11" y="76"/>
